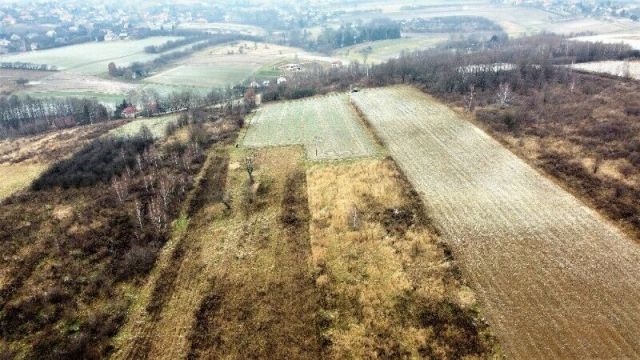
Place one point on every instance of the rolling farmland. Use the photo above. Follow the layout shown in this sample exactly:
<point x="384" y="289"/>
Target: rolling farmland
<point x="383" y="50"/>
<point x="554" y="279"/>
<point x="230" y="63"/>
<point x="92" y="58"/>
<point x="327" y="126"/>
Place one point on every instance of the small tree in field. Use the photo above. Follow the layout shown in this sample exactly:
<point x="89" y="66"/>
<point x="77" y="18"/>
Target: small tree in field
<point x="470" y="98"/>
<point x="22" y="82"/>
<point x="248" y="163"/>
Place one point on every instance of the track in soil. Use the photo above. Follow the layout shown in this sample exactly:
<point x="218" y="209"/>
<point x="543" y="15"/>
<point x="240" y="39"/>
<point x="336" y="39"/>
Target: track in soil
<point x="555" y="280"/>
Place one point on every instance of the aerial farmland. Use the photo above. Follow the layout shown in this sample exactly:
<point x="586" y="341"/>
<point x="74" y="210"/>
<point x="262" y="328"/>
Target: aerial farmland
<point x="364" y="179"/>
<point x="327" y="127"/>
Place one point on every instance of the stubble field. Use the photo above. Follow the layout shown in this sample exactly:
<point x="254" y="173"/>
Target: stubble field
<point x="554" y="278"/>
<point x="327" y="126"/>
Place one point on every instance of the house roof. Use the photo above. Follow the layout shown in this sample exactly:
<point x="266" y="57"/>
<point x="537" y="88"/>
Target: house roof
<point x="129" y="110"/>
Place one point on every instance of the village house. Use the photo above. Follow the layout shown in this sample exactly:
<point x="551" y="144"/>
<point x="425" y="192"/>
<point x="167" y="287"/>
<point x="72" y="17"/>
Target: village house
<point x="281" y="80"/>
<point x="129" y="112"/>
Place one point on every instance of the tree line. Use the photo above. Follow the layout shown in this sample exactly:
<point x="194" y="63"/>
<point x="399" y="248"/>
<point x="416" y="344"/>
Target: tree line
<point x="28" y="115"/>
<point x="457" y="66"/>
<point x="347" y="34"/>
<point x="172" y="44"/>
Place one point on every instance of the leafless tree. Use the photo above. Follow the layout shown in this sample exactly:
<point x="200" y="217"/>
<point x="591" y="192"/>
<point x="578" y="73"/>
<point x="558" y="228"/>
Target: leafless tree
<point x="248" y="163"/>
<point x="138" y="212"/>
<point x="504" y="95"/>
<point x="470" y="98"/>
<point x="121" y="186"/>
<point x="625" y="70"/>
<point x="166" y="186"/>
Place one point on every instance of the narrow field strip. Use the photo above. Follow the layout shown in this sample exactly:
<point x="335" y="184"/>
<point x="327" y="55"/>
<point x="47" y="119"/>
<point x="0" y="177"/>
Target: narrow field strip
<point x="326" y="126"/>
<point x="554" y="278"/>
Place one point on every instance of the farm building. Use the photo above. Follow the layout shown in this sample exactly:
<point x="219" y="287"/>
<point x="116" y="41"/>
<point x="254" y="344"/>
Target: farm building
<point x="281" y="80"/>
<point x="129" y="112"/>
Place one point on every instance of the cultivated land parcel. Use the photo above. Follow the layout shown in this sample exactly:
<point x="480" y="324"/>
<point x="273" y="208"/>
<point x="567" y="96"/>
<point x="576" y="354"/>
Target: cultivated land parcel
<point x="327" y="126"/>
<point x="555" y="279"/>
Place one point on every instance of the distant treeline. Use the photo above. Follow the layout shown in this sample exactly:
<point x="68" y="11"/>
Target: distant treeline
<point x="535" y="63"/>
<point x="27" y="115"/>
<point x="450" y="24"/>
<point x="172" y="44"/>
<point x="27" y="66"/>
<point x="140" y="69"/>
<point x="352" y="34"/>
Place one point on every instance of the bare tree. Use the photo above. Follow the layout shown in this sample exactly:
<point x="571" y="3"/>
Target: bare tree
<point x="121" y="186"/>
<point x="625" y="70"/>
<point x="504" y="95"/>
<point x="470" y="98"/>
<point x="138" y="211"/>
<point x="248" y="163"/>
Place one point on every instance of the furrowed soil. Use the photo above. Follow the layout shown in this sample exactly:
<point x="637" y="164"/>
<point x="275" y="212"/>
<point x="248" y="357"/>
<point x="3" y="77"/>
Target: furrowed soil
<point x="554" y="278"/>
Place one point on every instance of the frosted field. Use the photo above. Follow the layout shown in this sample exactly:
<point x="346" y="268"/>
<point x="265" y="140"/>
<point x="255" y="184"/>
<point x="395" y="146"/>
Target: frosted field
<point x="631" y="39"/>
<point x="616" y="68"/>
<point x="327" y="126"/>
<point x="92" y="58"/>
<point x="555" y="280"/>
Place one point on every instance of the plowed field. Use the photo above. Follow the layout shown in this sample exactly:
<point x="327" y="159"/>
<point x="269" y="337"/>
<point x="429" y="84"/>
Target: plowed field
<point x="555" y="280"/>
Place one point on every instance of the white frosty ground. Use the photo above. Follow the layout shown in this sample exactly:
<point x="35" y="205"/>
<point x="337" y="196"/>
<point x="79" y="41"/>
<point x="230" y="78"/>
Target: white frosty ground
<point x="555" y="280"/>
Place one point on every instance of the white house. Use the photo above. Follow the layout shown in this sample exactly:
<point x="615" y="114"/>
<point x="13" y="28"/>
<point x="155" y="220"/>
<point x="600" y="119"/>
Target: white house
<point x="281" y="80"/>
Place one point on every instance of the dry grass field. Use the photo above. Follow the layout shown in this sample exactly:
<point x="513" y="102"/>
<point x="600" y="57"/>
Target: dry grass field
<point x="327" y="126"/>
<point x="287" y="271"/>
<point x="23" y="159"/>
<point x="554" y="278"/>
<point x="389" y="289"/>
<point x="157" y="126"/>
<point x="244" y="288"/>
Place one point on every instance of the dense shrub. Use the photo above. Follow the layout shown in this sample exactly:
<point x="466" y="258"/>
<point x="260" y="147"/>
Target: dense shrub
<point x="97" y="162"/>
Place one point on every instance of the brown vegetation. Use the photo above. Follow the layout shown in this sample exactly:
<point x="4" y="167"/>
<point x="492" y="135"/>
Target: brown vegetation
<point x="389" y="290"/>
<point x="76" y="247"/>
<point x="586" y="136"/>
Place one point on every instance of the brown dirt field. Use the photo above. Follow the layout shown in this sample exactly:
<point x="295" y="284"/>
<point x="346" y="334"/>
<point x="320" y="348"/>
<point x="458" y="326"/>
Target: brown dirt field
<point x="554" y="278"/>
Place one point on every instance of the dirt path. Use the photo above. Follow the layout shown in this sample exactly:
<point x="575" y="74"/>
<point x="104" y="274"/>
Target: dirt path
<point x="554" y="278"/>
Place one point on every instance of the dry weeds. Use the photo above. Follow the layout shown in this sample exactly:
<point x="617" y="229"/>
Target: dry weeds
<point x="385" y="279"/>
